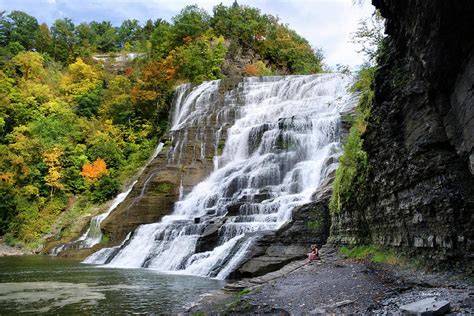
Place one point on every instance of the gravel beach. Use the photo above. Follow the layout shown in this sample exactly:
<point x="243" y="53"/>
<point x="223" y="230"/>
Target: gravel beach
<point x="342" y="286"/>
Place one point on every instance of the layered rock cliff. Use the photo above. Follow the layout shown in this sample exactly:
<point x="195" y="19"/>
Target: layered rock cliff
<point x="419" y="191"/>
<point x="185" y="161"/>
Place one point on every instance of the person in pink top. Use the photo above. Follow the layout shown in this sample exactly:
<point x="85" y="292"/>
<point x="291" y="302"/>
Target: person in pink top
<point x="314" y="254"/>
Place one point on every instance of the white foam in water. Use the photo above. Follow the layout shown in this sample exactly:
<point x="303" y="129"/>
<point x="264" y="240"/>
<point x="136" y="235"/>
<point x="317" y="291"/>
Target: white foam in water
<point x="283" y="143"/>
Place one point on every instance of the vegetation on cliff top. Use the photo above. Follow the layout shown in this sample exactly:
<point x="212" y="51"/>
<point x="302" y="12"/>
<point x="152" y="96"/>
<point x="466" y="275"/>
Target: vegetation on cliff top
<point x="72" y="125"/>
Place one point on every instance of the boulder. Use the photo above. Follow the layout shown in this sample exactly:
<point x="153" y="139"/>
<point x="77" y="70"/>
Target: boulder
<point x="426" y="307"/>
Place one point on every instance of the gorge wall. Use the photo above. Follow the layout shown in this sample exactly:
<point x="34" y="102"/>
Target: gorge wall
<point x="419" y="190"/>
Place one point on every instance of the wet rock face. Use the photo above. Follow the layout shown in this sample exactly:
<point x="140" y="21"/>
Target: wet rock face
<point x="419" y="194"/>
<point x="184" y="162"/>
<point x="309" y="225"/>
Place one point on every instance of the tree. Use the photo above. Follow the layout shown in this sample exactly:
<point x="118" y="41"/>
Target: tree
<point x="201" y="59"/>
<point x="150" y="92"/>
<point x="105" y="36"/>
<point x="43" y="39"/>
<point x="64" y="39"/>
<point x="30" y="65"/>
<point x="369" y="35"/>
<point x="18" y="27"/>
<point x="161" y="40"/>
<point x="86" y="39"/>
<point x="191" y="21"/>
<point x="88" y="104"/>
<point x="81" y="79"/>
<point x="117" y="104"/>
<point x="52" y="159"/>
<point x="128" y="32"/>
<point x="95" y="170"/>
<point x="239" y="23"/>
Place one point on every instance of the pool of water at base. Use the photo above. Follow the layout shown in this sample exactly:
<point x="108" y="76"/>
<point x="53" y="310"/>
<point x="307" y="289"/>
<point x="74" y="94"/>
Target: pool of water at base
<point x="58" y="286"/>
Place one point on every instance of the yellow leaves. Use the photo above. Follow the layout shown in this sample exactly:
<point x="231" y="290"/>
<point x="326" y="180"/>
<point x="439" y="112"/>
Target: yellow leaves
<point x="36" y="91"/>
<point x="81" y="79"/>
<point x="95" y="170"/>
<point x="30" y="64"/>
<point x="30" y="191"/>
<point x="57" y="107"/>
<point x="52" y="159"/>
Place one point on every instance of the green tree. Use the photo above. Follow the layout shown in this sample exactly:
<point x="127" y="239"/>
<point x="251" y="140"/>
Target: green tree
<point x="243" y="24"/>
<point x="86" y="39"/>
<point x="369" y="36"/>
<point x="128" y="32"/>
<point x="64" y="39"/>
<point x="201" y="59"/>
<point x="117" y="103"/>
<point x="18" y="27"/>
<point x="105" y="36"/>
<point x="190" y="22"/>
<point x="161" y="40"/>
<point x="43" y="39"/>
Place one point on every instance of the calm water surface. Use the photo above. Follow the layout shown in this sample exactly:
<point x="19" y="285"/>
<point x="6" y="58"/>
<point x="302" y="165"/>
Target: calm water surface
<point x="50" y="285"/>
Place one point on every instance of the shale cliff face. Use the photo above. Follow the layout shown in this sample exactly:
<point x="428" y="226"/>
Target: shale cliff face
<point x="419" y="192"/>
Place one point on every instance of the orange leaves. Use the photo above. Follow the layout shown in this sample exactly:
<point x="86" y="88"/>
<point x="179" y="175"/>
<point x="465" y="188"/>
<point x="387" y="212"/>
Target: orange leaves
<point x="257" y="69"/>
<point x="128" y="71"/>
<point x="155" y="79"/>
<point x="170" y="73"/>
<point x="251" y="70"/>
<point x="187" y="40"/>
<point x="94" y="170"/>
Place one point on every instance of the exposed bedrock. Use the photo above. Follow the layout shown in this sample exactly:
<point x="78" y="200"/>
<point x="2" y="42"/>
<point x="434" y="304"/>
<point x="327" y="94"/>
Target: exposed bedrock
<point x="185" y="161"/>
<point x="419" y="192"/>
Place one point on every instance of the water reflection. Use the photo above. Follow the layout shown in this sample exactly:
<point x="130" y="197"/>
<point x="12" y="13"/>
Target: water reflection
<point x="43" y="284"/>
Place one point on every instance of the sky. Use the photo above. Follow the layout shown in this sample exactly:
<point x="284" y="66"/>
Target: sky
<point x="326" y="24"/>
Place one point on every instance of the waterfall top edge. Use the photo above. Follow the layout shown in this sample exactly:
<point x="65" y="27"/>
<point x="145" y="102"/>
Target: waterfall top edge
<point x="262" y="78"/>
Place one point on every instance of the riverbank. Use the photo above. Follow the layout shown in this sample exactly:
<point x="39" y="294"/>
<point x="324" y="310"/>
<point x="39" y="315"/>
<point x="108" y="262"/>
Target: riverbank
<point x="339" y="285"/>
<point x="6" y="250"/>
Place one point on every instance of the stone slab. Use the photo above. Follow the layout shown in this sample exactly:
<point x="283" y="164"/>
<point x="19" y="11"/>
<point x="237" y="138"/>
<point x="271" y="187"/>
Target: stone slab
<point x="428" y="306"/>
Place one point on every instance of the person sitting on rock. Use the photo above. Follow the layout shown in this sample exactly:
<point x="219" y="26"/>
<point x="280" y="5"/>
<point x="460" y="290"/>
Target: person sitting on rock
<point x="314" y="254"/>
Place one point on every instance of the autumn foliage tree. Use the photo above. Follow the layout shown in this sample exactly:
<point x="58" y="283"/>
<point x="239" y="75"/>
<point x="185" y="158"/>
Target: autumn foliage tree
<point x="71" y="125"/>
<point x="52" y="159"/>
<point x="153" y="88"/>
<point x="93" y="171"/>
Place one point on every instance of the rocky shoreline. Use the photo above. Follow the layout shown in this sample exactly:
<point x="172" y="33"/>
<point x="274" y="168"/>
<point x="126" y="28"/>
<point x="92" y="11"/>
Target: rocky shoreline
<point x="6" y="250"/>
<point x="337" y="285"/>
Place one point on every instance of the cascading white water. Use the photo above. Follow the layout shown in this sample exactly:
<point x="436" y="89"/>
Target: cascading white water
<point x="93" y="235"/>
<point x="276" y="154"/>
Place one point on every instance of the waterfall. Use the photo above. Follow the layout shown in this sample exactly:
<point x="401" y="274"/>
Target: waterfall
<point x="282" y="139"/>
<point x="93" y="235"/>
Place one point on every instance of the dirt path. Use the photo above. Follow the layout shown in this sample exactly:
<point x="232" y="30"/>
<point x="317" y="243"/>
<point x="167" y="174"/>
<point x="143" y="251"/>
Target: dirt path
<point x="337" y="285"/>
